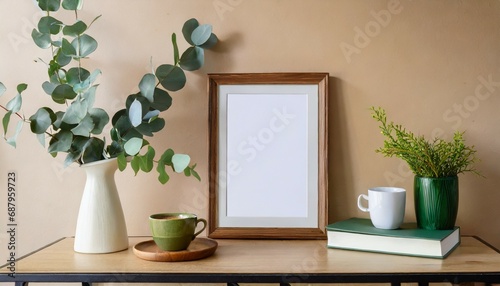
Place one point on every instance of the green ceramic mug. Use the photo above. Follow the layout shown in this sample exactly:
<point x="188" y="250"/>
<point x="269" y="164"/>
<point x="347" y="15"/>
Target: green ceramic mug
<point x="174" y="231"/>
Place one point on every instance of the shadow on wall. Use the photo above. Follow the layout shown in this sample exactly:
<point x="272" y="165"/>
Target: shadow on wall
<point x="340" y="178"/>
<point x="218" y="58"/>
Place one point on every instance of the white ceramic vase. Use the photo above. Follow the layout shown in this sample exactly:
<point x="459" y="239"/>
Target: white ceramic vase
<point x="101" y="224"/>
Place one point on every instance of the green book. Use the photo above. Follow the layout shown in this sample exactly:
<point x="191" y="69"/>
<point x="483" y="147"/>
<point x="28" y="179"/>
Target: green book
<point x="360" y="234"/>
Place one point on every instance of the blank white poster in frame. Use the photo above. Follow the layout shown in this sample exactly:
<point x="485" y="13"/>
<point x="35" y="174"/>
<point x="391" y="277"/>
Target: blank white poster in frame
<point x="268" y="155"/>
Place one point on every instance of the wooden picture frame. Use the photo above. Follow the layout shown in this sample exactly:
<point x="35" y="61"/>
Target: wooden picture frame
<point x="268" y="159"/>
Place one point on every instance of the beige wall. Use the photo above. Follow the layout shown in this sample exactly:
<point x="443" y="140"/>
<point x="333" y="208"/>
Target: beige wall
<point x="434" y="66"/>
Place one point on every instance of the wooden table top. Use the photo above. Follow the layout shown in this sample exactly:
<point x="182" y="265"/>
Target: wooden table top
<point x="261" y="257"/>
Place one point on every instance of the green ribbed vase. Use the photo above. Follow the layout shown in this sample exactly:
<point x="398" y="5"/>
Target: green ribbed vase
<point x="436" y="202"/>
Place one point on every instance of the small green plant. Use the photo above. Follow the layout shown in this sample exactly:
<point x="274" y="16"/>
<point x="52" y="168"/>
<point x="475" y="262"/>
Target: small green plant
<point x="434" y="159"/>
<point x="76" y="128"/>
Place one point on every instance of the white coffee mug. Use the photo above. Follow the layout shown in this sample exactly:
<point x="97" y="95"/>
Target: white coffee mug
<point x="386" y="206"/>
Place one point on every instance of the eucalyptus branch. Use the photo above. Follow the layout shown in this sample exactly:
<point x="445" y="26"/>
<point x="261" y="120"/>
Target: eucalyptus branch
<point x="76" y="130"/>
<point x="16" y="113"/>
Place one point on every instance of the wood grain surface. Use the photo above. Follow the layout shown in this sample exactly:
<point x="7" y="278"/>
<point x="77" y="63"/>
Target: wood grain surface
<point x="262" y="256"/>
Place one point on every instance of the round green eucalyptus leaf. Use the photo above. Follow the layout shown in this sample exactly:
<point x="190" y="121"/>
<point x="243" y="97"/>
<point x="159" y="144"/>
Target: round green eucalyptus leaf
<point x="84" y="127"/>
<point x="49" y="5"/>
<point x="131" y="99"/>
<point x="115" y="149"/>
<point x="133" y="146"/>
<point x="76" y="29"/>
<point x="49" y="25"/>
<point x="86" y="89"/>
<point x="72" y="4"/>
<point x="144" y="129"/>
<point x="14" y="105"/>
<point x="180" y="162"/>
<point x="100" y="118"/>
<point x="93" y="76"/>
<point x="41" y="120"/>
<point x="56" y="78"/>
<point x="42" y="40"/>
<point x="57" y="43"/>
<point x="188" y="28"/>
<point x="63" y="92"/>
<point x="89" y="96"/>
<point x="13" y="139"/>
<point x="210" y="42"/>
<point x="147" y="86"/>
<point x="75" y="113"/>
<point x="131" y="133"/>
<point x="60" y="124"/>
<point x="151" y="114"/>
<point x="118" y="115"/>
<point x="84" y="45"/>
<point x="93" y="150"/>
<point x="192" y="59"/>
<point x="48" y="87"/>
<point x="114" y="134"/>
<point x="76" y="75"/>
<point x="122" y="125"/>
<point x="201" y="34"/>
<point x="5" y="121"/>
<point x="60" y="142"/>
<point x="145" y="104"/>
<point x="61" y="58"/>
<point x="71" y="158"/>
<point x="135" y="113"/>
<point x="166" y="157"/>
<point x="162" y="100"/>
<point x="68" y="49"/>
<point x="79" y="143"/>
<point x="171" y="77"/>
<point x="81" y="86"/>
<point x="157" y="124"/>
<point x="21" y="87"/>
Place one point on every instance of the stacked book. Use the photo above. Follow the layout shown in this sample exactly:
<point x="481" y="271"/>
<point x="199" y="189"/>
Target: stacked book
<point x="360" y="234"/>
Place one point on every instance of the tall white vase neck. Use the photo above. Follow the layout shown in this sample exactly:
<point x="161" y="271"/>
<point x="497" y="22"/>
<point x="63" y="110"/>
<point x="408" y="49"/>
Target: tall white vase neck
<point x="101" y="224"/>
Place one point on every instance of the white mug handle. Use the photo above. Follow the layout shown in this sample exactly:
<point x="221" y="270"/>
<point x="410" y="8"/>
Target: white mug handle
<point x="360" y="205"/>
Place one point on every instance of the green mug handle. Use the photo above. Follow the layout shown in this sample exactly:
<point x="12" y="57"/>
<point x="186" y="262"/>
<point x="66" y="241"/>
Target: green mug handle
<point x="204" y="226"/>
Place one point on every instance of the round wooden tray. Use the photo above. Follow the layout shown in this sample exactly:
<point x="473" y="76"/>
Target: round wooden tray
<point x="198" y="249"/>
